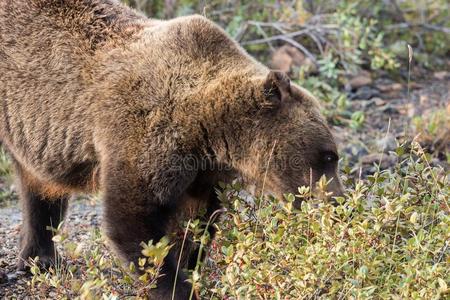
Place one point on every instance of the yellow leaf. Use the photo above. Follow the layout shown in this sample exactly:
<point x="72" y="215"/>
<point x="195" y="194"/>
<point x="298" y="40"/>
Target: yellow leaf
<point x="442" y="285"/>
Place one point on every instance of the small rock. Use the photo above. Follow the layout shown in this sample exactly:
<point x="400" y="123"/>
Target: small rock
<point x="378" y="101"/>
<point x="3" y="277"/>
<point x="439" y="163"/>
<point x="390" y="109"/>
<point x="408" y="109"/>
<point x="287" y="57"/>
<point x="414" y="85"/>
<point x="355" y="151"/>
<point x="387" y="143"/>
<point x="423" y="99"/>
<point x="385" y="160"/>
<point x="282" y="60"/>
<point x="365" y="93"/>
<point x="361" y="79"/>
<point x="441" y="75"/>
<point x="12" y="276"/>
<point x="309" y="66"/>
<point x="390" y="87"/>
<point x="52" y="295"/>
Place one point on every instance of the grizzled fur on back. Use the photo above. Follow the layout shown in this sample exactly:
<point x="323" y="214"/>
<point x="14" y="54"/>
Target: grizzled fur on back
<point x="63" y="59"/>
<point x="96" y="97"/>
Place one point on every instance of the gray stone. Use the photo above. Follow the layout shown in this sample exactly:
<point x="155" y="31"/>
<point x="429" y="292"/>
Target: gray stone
<point x="387" y="143"/>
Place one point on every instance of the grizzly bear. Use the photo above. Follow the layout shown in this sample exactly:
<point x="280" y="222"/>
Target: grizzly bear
<point x="95" y="97"/>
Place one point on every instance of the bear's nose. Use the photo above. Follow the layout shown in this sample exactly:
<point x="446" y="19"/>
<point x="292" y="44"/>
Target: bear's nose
<point x="336" y="189"/>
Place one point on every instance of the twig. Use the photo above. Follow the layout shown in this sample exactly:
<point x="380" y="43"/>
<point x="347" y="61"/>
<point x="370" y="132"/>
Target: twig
<point x="287" y="38"/>
<point x="264" y="185"/>
<point x="199" y="254"/>
<point x="444" y="249"/>
<point x="264" y="34"/>
<point x="241" y="32"/>
<point x="399" y="13"/>
<point x="406" y="25"/>
<point x="275" y="37"/>
<point x="179" y="259"/>
<point x="221" y="11"/>
<point x="268" y="24"/>
<point x="436" y="28"/>
<point x="316" y="40"/>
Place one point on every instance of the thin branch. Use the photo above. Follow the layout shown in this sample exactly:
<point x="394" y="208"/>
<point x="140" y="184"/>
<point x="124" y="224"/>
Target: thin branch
<point x="275" y="38"/>
<point x="316" y="40"/>
<point x="282" y="27"/>
<point x="436" y="28"/>
<point x="268" y="24"/>
<point x="264" y="34"/>
<point x="241" y="32"/>
<point x="444" y="249"/>
<point x="221" y="11"/>
<point x="399" y="13"/>
<point x="406" y="25"/>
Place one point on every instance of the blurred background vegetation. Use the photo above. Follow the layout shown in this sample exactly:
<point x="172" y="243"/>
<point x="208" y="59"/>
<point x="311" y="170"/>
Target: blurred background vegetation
<point x="353" y="31"/>
<point x="325" y="45"/>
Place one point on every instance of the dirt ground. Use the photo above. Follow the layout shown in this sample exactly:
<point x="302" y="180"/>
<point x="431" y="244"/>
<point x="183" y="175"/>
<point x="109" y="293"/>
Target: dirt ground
<point x="388" y="112"/>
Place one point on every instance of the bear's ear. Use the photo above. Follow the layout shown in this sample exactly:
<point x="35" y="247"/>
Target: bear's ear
<point x="277" y="87"/>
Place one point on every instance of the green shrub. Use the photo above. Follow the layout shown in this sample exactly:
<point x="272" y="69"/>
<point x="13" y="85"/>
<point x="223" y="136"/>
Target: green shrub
<point x="433" y="129"/>
<point x="388" y="238"/>
<point x="6" y="193"/>
<point x="5" y="164"/>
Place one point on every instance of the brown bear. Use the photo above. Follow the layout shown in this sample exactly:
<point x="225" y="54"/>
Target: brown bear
<point x="96" y="97"/>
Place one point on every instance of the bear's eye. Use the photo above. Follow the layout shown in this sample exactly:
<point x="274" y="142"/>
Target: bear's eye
<point x="329" y="157"/>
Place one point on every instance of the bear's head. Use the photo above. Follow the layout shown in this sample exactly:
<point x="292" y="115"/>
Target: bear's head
<point x="252" y="120"/>
<point x="281" y="142"/>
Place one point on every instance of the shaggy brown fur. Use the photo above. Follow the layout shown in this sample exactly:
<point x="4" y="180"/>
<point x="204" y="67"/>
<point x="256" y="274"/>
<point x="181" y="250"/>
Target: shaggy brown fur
<point x="95" y="97"/>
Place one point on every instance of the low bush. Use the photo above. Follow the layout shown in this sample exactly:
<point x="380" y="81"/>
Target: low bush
<point x="387" y="238"/>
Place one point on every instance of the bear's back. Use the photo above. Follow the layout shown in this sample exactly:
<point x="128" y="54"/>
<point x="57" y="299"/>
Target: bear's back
<point x="48" y="50"/>
<point x="70" y="65"/>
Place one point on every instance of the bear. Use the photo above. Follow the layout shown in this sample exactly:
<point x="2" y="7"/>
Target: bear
<point x="153" y="114"/>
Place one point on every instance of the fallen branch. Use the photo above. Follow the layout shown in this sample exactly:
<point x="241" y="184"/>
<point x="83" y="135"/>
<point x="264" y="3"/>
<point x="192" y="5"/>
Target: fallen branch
<point x="275" y="38"/>
<point x="301" y="48"/>
<point x="406" y="25"/>
<point x="264" y="34"/>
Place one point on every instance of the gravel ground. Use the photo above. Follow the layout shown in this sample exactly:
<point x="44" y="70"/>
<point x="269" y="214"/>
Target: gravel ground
<point x="83" y="216"/>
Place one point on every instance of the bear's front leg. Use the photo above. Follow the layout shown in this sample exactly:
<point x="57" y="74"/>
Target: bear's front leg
<point x="135" y="213"/>
<point x="39" y="211"/>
